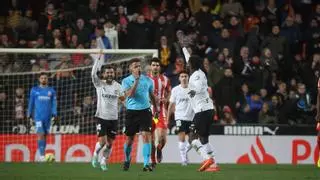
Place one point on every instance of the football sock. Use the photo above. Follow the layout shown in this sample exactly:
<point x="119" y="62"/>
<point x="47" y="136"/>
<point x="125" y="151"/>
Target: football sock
<point x="41" y="147"/>
<point x="153" y="153"/>
<point x="97" y="149"/>
<point x="187" y="146"/>
<point x="106" y="153"/>
<point x="127" y="152"/>
<point x="209" y="150"/>
<point x="161" y="145"/>
<point x="182" y="149"/>
<point x="201" y="149"/>
<point x="146" y="153"/>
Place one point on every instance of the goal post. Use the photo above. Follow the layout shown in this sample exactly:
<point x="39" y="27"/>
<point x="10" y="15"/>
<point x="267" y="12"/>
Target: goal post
<point x="69" y="70"/>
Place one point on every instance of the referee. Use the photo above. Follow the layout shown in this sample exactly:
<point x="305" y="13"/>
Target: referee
<point x="138" y="90"/>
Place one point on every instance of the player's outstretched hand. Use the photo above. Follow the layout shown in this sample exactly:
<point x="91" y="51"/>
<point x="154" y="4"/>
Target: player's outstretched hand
<point x="192" y="93"/>
<point x="31" y="122"/>
<point x="54" y="120"/>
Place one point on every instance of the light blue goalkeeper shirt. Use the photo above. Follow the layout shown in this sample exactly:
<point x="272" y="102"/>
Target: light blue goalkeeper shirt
<point x="42" y="103"/>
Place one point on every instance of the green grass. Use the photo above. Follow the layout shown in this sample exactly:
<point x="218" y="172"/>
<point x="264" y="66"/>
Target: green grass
<point x="80" y="171"/>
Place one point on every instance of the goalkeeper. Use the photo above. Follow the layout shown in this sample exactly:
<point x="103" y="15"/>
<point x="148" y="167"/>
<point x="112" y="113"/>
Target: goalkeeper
<point x="42" y="111"/>
<point x="108" y="95"/>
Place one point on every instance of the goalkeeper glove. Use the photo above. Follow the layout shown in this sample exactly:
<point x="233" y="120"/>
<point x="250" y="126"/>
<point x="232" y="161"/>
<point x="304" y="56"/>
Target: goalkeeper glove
<point x="31" y="122"/>
<point x="54" y="120"/>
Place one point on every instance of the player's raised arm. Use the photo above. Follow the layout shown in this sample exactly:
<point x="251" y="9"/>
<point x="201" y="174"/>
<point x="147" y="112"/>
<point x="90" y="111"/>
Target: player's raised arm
<point x="31" y="103"/>
<point x="96" y="66"/>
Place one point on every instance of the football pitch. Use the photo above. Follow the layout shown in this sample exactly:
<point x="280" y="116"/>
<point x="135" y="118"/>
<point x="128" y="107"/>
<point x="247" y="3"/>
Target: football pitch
<point x="82" y="171"/>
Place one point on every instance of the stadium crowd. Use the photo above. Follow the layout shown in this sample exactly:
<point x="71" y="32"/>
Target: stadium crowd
<point x="261" y="57"/>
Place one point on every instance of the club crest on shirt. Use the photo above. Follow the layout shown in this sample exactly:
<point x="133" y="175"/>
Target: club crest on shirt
<point x="197" y="78"/>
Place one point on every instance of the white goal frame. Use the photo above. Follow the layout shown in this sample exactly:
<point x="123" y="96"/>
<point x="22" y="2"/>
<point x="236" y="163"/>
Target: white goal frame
<point x="154" y="52"/>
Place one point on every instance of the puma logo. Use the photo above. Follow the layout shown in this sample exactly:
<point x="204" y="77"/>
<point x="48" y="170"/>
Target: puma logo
<point x="270" y="131"/>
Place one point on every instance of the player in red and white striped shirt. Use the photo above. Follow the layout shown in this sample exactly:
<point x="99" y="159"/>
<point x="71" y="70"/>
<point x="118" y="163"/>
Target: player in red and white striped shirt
<point x="162" y="90"/>
<point x="318" y="120"/>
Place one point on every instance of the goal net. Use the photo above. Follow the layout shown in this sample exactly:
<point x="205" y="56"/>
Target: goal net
<point x="69" y="70"/>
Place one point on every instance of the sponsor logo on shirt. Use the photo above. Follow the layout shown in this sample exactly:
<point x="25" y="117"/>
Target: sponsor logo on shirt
<point x="43" y="97"/>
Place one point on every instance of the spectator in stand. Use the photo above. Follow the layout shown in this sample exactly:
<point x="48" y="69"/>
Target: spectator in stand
<point x="227" y="118"/>
<point x="140" y="33"/>
<point x="305" y="107"/>
<point x="269" y="18"/>
<point x="111" y="33"/>
<point x="103" y="42"/>
<point x="226" y="92"/>
<point x="216" y="70"/>
<point x="73" y="43"/>
<point x="82" y="31"/>
<point x="266" y="116"/>
<point x="264" y="95"/>
<point x="166" y="53"/>
<point x="243" y="66"/>
<point x="174" y="70"/>
<point x="225" y="41"/>
<point x="4" y="41"/>
<point x="78" y="58"/>
<point x="19" y="105"/>
<point x="312" y="36"/>
<point x="231" y="8"/>
<point x="292" y="33"/>
<point x="279" y="50"/>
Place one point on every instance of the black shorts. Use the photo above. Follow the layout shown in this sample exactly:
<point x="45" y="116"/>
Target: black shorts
<point x="107" y="127"/>
<point x="203" y="121"/>
<point x="138" y="120"/>
<point x="183" y="126"/>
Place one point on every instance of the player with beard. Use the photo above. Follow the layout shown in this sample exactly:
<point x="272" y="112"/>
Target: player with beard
<point x="108" y="95"/>
<point x="203" y="108"/>
<point x="161" y="92"/>
<point x="42" y="111"/>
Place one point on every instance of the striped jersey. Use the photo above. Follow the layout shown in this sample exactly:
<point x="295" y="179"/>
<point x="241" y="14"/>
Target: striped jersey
<point x="162" y="89"/>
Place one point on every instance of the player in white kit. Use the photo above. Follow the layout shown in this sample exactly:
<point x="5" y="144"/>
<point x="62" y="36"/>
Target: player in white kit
<point x="179" y="104"/>
<point x="203" y="108"/>
<point x="108" y="95"/>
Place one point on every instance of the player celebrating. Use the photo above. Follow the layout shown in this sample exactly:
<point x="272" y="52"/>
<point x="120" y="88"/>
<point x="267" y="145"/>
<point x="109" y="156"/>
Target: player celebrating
<point x="183" y="114"/>
<point x="108" y="95"/>
<point x="138" y="90"/>
<point x="318" y="120"/>
<point x="204" y="112"/>
<point x="42" y="110"/>
<point x="159" y="125"/>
